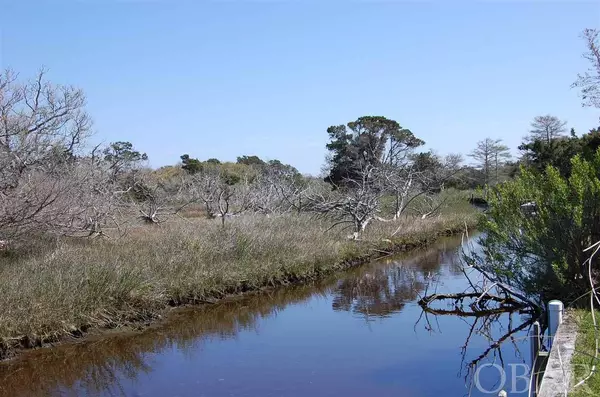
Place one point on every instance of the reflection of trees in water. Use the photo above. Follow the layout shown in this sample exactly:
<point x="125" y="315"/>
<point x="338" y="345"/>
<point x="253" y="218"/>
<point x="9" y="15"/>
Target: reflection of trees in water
<point x="96" y="367"/>
<point x="379" y="292"/>
<point x="498" y="331"/>
<point x="383" y="289"/>
<point x="498" y="334"/>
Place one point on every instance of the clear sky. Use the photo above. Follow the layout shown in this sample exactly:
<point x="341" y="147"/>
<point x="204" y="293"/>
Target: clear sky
<point x="227" y="78"/>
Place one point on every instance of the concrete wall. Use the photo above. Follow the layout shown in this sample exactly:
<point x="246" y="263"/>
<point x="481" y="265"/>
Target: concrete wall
<point x="558" y="373"/>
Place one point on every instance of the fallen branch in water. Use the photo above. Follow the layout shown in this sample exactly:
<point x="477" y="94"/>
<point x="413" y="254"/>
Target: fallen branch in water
<point x="478" y="308"/>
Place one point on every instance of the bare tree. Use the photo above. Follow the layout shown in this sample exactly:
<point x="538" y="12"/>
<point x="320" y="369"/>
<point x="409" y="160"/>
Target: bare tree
<point x="546" y="128"/>
<point x="428" y="175"/>
<point x="490" y="155"/>
<point x="38" y="203"/>
<point x="399" y="182"/>
<point x="267" y="194"/>
<point x="354" y="206"/>
<point x="97" y="198"/>
<point x="357" y="202"/>
<point x="154" y="198"/>
<point x="501" y="154"/>
<point x="42" y="129"/>
<point x="220" y="197"/>
<point x="204" y="187"/>
<point x="589" y="82"/>
<point x="397" y="172"/>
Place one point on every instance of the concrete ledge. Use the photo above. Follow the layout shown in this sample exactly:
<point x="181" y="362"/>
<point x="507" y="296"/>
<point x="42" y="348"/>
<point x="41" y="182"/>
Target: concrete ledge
<point x="558" y="373"/>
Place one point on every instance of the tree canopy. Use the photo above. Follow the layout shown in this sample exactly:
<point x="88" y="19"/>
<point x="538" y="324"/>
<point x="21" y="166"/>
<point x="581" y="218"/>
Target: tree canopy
<point x="546" y="128"/>
<point x="122" y="155"/>
<point x="490" y="155"/>
<point x="368" y="141"/>
<point x="250" y="160"/>
<point x="539" y="154"/>
<point x="191" y="165"/>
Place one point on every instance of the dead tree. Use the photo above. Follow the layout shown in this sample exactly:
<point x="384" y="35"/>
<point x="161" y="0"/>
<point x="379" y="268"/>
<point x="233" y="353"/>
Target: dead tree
<point x="225" y="194"/>
<point x="481" y="306"/>
<point x="204" y="187"/>
<point x="398" y="181"/>
<point x="102" y="198"/>
<point x="420" y="178"/>
<point x="220" y="197"/>
<point x="264" y="194"/>
<point x="353" y="206"/>
<point x="589" y="82"/>
<point x="396" y="171"/>
<point x="42" y="129"/>
<point x="154" y="198"/>
<point x="429" y="205"/>
<point x="277" y="191"/>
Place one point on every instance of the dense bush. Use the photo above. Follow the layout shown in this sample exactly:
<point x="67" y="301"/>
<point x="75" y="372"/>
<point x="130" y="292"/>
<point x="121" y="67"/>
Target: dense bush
<point x="543" y="252"/>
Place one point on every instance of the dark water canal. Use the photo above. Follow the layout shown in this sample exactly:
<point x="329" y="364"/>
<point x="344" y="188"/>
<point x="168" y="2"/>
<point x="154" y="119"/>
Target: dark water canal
<point x="360" y="333"/>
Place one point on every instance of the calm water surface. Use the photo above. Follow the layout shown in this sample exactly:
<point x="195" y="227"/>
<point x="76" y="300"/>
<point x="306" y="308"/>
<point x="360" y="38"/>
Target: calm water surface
<point x="360" y="333"/>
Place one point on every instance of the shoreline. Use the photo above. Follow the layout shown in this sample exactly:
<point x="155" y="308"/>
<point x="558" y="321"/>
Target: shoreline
<point x="12" y="348"/>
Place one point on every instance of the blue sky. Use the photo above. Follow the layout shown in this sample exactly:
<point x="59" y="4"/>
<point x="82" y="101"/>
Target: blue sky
<point x="227" y="78"/>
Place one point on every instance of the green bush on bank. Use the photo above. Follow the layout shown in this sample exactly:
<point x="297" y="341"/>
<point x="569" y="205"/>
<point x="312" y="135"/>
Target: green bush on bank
<point x="542" y="252"/>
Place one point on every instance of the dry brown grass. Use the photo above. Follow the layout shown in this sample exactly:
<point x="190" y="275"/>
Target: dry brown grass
<point x="106" y="283"/>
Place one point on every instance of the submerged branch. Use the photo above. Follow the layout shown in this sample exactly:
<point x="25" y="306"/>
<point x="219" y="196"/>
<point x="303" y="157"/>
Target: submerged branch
<point x="478" y="308"/>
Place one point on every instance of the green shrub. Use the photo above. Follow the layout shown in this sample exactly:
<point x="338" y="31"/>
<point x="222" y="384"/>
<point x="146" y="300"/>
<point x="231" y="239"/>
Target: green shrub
<point x="542" y="253"/>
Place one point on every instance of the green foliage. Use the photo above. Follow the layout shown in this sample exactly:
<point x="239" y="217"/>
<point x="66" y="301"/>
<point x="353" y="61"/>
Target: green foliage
<point x="435" y="172"/>
<point x="121" y="155"/>
<point x="370" y="140"/>
<point x="542" y="252"/>
<point x="468" y="178"/>
<point x="490" y="156"/>
<point x="238" y="172"/>
<point x="558" y="152"/>
<point x="169" y="172"/>
<point x="281" y="169"/>
<point x="192" y="166"/>
<point x="250" y="160"/>
<point x="247" y="168"/>
<point x="425" y="161"/>
<point x="229" y="178"/>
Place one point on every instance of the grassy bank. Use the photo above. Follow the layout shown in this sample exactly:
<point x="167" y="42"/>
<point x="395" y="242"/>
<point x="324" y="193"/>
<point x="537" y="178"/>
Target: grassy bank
<point x="583" y="359"/>
<point x="77" y="285"/>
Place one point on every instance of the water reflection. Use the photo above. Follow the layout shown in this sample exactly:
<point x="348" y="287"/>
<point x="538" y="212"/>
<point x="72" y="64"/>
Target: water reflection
<point x="383" y="290"/>
<point x="98" y="366"/>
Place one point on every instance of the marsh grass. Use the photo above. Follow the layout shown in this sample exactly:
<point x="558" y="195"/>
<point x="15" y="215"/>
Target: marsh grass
<point x="72" y="285"/>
